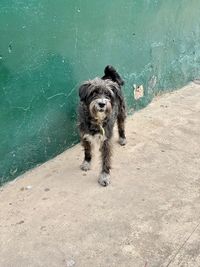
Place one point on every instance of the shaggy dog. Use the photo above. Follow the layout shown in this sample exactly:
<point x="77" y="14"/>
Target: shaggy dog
<point x="101" y="105"/>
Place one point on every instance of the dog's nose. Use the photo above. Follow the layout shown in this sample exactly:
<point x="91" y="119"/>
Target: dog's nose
<point x="101" y="104"/>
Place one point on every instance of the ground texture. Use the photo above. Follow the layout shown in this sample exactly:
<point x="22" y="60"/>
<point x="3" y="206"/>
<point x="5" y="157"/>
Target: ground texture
<point x="56" y="215"/>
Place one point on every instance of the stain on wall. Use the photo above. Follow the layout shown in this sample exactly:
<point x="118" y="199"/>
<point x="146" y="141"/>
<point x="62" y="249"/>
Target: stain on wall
<point x="48" y="47"/>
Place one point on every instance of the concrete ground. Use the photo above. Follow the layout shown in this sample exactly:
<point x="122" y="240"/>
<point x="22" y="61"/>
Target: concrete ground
<point x="56" y="215"/>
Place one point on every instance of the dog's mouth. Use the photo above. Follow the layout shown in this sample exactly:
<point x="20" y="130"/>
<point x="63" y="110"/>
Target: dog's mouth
<point x="100" y="109"/>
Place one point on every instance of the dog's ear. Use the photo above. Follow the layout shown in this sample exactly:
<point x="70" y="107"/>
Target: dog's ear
<point x="84" y="90"/>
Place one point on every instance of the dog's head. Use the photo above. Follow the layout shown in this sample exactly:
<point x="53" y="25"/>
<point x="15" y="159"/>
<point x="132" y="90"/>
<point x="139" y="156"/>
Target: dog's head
<point x="99" y="96"/>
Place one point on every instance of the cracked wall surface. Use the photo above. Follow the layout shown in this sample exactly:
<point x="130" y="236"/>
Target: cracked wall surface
<point x="48" y="47"/>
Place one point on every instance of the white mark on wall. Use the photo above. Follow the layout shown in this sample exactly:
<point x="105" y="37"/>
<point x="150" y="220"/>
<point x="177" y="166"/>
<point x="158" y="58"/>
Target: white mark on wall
<point x="53" y="96"/>
<point x="152" y="81"/>
<point x="157" y="44"/>
<point x="76" y="37"/>
<point x="72" y="90"/>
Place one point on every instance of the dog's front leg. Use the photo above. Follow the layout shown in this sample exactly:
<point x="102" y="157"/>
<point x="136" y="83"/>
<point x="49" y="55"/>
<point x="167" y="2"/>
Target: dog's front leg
<point x="85" y="166"/>
<point x="106" y="151"/>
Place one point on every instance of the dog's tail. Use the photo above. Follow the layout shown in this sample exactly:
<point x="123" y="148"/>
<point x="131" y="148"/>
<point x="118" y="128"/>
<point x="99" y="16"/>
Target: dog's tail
<point x="111" y="73"/>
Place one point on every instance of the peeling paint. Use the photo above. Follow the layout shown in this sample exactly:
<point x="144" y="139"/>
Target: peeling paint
<point x="138" y="91"/>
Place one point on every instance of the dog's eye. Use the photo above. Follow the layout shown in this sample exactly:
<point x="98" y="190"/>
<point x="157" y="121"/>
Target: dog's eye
<point x="93" y="93"/>
<point x="108" y="94"/>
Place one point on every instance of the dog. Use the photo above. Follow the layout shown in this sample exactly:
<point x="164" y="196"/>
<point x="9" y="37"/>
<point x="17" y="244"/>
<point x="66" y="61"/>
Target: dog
<point x="101" y="105"/>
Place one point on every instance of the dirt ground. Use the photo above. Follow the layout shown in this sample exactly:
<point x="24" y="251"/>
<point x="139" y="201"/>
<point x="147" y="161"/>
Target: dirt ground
<point x="56" y="215"/>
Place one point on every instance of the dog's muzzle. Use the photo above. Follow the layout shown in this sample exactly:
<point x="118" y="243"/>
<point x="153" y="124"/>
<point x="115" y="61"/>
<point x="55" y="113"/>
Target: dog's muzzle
<point x="100" y="108"/>
<point x="101" y="104"/>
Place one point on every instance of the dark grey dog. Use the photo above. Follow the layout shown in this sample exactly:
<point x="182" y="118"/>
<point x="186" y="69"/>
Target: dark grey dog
<point x="101" y="105"/>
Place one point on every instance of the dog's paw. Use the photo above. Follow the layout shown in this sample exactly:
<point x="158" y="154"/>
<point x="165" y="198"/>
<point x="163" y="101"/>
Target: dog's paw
<point x="85" y="166"/>
<point x="122" y="141"/>
<point x="104" y="179"/>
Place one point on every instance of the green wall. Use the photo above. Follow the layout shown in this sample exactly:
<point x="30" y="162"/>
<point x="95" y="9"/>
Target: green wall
<point x="48" y="47"/>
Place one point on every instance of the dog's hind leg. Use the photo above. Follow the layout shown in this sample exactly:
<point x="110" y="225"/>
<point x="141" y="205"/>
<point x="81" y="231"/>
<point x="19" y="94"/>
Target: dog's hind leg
<point x="106" y="153"/>
<point x="121" y="127"/>
<point x="85" y="166"/>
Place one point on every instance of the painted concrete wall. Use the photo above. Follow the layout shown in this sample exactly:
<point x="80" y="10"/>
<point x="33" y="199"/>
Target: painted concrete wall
<point x="47" y="47"/>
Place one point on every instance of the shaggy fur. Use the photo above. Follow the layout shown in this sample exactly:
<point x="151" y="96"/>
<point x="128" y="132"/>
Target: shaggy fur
<point x="101" y="105"/>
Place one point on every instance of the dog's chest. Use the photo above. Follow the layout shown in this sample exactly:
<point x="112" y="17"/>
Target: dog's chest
<point x="97" y="138"/>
